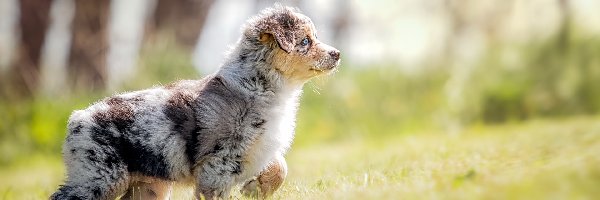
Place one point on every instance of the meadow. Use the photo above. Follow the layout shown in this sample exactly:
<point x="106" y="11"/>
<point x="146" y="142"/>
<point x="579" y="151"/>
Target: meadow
<point x="381" y="133"/>
<point x="540" y="159"/>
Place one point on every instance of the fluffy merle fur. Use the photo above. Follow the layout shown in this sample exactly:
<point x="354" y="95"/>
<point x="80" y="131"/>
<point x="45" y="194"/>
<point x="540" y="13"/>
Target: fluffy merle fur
<point x="213" y="133"/>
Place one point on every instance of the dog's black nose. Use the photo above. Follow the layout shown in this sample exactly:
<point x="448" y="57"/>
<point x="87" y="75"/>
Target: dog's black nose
<point x="335" y="54"/>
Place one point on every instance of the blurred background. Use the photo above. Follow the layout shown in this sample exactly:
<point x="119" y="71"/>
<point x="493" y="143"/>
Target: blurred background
<point x="407" y="67"/>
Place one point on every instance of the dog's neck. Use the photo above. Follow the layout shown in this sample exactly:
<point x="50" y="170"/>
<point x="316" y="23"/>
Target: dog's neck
<point x="252" y="70"/>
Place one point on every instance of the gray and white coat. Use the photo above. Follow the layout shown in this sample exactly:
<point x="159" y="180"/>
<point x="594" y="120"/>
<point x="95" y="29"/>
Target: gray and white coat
<point x="212" y="133"/>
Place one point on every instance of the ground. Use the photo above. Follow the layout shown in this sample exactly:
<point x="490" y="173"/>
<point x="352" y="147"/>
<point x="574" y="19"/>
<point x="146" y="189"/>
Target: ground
<point x="539" y="159"/>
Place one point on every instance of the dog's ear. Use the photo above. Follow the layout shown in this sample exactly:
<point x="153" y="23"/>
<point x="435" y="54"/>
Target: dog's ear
<point x="280" y="30"/>
<point x="284" y="40"/>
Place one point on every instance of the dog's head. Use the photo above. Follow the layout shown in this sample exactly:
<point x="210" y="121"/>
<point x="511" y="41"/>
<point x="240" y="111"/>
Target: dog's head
<point x="296" y="52"/>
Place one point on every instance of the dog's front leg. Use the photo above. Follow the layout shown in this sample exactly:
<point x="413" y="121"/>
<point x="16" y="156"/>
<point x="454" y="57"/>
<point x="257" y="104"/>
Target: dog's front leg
<point x="268" y="181"/>
<point x="216" y="176"/>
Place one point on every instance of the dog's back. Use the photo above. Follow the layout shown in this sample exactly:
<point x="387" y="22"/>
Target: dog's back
<point x="146" y="132"/>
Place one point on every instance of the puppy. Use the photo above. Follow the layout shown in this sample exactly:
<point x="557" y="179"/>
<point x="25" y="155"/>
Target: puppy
<point x="229" y="128"/>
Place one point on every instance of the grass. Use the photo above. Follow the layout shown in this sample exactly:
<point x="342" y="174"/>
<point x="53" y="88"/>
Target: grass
<point x="536" y="160"/>
<point x="545" y="159"/>
<point x="378" y="133"/>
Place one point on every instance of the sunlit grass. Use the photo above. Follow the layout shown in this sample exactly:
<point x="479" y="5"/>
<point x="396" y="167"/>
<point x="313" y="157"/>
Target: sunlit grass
<point x="378" y="133"/>
<point x="31" y="177"/>
<point x="537" y="160"/>
<point x="552" y="159"/>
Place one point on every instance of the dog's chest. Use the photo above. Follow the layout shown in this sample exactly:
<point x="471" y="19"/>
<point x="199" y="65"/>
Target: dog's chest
<point x="277" y="136"/>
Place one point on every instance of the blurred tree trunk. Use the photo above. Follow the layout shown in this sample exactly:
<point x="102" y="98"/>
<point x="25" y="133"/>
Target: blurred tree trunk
<point x="458" y="24"/>
<point x="185" y="17"/>
<point x="565" y="26"/>
<point x="128" y="19"/>
<point x="87" y="59"/>
<point x="23" y="77"/>
<point x="554" y="62"/>
<point x="459" y="74"/>
<point x="55" y="52"/>
<point x="9" y="11"/>
<point x="467" y="18"/>
<point x="341" y="21"/>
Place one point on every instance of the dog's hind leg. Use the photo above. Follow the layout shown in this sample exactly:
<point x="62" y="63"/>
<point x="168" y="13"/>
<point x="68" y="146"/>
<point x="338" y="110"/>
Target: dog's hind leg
<point x="92" y="186"/>
<point x="94" y="171"/>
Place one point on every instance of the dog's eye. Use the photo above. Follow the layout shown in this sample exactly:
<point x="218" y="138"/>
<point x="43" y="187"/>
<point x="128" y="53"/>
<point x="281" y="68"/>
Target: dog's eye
<point x="305" y="42"/>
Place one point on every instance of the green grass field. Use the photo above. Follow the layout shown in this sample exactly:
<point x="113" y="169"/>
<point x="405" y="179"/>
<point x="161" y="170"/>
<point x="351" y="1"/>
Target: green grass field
<point x="379" y="133"/>
<point x="548" y="159"/>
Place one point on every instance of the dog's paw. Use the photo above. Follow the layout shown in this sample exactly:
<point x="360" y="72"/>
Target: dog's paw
<point x="267" y="182"/>
<point x="251" y="189"/>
